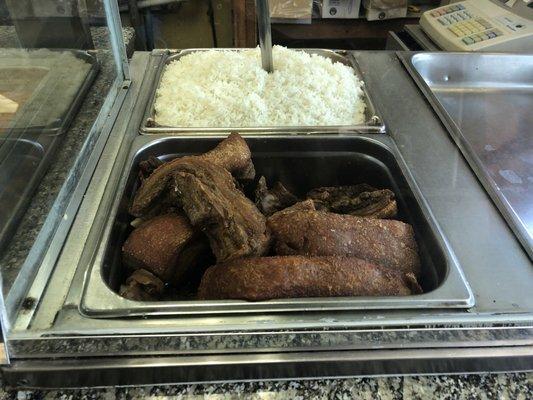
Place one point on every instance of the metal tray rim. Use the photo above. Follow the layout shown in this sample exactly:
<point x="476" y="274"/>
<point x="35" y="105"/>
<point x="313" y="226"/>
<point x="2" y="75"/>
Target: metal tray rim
<point x="453" y="292"/>
<point x="374" y="124"/>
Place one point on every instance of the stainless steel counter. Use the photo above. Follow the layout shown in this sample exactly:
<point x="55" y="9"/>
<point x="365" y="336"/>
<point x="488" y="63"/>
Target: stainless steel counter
<point x="495" y="334"/>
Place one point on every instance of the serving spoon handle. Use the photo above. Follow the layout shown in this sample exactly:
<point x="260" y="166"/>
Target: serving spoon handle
<point x="265" y="34"/>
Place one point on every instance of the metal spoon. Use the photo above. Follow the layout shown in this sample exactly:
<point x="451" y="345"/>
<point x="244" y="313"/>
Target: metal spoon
<point x="265" y="35"/>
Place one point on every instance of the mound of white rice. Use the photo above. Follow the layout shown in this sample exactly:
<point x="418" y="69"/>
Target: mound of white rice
<point x="230" y="89"/>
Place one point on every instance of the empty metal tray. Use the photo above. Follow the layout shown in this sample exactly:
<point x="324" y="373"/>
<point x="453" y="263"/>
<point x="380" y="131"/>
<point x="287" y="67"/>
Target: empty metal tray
<point x="301" y="163"/>
<point x="160" y="58"/>
<point x="486" y="103"/>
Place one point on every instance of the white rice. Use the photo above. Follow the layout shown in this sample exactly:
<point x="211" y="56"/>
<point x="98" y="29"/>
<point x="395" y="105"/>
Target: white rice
<point x="230" y="89"/>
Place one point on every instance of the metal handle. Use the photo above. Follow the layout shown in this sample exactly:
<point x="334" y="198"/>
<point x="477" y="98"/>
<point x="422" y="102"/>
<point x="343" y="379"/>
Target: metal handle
<point x="265" y="35"/>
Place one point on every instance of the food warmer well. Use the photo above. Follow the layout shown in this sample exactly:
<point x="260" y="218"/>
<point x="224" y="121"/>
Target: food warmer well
<point x="66" y="326"/>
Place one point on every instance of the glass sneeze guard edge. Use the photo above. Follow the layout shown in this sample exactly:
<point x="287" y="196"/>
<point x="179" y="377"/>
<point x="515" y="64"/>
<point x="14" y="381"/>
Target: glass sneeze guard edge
<point x="39" y="262"/>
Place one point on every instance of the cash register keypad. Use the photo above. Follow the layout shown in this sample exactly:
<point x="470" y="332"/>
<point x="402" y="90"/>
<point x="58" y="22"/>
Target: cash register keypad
<point x="463" y="24"/>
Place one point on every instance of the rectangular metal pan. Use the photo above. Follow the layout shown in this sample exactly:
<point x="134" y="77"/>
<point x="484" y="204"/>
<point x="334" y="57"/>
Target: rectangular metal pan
<point x="301" y="163"/>
<point x="486" y="102"/>
<point x="373" y="121"/>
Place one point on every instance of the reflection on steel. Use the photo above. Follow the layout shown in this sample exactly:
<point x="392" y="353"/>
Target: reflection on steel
<point x="110" y="371"/>
<point x="265" y="34"/>
<point x="485" y="101"/>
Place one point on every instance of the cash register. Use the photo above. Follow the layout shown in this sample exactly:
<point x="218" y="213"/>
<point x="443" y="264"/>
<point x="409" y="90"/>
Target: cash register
<point x="481" y="25"/>
<point x="472" y="25"/>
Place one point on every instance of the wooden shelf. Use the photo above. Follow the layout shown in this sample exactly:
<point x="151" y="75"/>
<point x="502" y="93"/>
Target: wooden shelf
<point x="245" y="30"/>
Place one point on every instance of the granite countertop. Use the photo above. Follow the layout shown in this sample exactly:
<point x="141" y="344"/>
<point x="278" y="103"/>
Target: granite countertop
<point x="485" y="386"/>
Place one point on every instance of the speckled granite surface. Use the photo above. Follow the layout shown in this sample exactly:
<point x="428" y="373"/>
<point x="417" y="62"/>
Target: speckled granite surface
<point x="47" y="191"/>
<point x="497" y="386"/>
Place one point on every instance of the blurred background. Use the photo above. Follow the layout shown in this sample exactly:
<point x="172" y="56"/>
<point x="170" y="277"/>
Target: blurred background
<point x="343" y="24"/>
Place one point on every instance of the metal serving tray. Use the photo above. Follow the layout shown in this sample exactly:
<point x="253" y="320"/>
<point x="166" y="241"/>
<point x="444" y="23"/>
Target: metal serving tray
<point x="160" y="58"/>
<point x="486" y="103"/>
<point x="301" y="163"/>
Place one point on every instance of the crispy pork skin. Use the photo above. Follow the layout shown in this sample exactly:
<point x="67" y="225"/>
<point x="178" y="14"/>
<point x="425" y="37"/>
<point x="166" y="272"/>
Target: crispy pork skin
<point x="156" y="245"/>
<point x="362" y="200"/>
<point x="316" y="233"/>
<point x="305" y="205"/>
<point x="231" y="154"/>
<point x="265" y="278"/>
<point x="214" y="205"/>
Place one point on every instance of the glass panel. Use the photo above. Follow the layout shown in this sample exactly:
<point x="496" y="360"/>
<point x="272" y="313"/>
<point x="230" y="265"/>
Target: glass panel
<point x="56" y="71"/>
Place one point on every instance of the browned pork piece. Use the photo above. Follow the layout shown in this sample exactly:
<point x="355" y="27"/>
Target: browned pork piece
<point x="147" y="167"/>
<point x="317" y="233"/>
<point x="142" y="285"/>
<point x="162" y="245"/>
<point x="271" y="200"/>
<point x="231" y="154"/>
<point x="209" y="197"/>
<point x="362" y="200"/>
<point x="265" y="278"/>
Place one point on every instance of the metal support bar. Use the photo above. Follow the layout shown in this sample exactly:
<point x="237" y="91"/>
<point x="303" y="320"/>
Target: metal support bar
<point x="117" y="40"/>
<point x="216" y="368"/>
<point x="265" y="35"/>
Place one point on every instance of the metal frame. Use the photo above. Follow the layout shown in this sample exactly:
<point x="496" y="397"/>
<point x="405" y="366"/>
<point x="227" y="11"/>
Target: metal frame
<point x="117" y="40"/>
<point x="230" y="335"/>
<point x="258" y="367"/>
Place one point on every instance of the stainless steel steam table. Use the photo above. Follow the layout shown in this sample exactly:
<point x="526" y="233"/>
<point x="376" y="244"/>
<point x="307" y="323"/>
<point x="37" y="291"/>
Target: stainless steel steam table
<point x="51" y="343"/>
